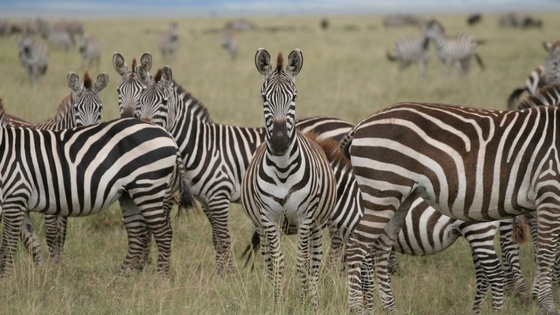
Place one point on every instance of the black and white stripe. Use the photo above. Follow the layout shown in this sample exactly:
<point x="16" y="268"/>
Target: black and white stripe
<point x="215" y="173"/>
<point x="230" y="43"/>
<point x="470" y="164"/>
<point x="81" y="171"/>
<point x="455" y="50"/>
<point x="545" y="74"/>
<point x="411" y="50"/>
<point x="90" y="50"/>
<point x="289" y="178"/>
<point x="81" y="107"/>
<point x="33" y="55"/>
<point x="169" y="41"/>
<point x="130" y="86"/>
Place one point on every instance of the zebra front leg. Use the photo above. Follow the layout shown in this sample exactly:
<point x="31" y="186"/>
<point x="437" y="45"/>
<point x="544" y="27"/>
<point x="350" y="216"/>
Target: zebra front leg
<point x="547" y="230"/>
<point x="30" y="239"/>
<point x="514" y="281"/>
<point x="12" y="222"/>
<point x="217" y="213"/>
<point x="273" y="257"/>
<point x="55" y="233"/>
<point x="137" y="233"/>
<point x="310" y="237"/>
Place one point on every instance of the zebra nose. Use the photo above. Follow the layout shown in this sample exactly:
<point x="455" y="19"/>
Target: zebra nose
<point x="279" y="140"/>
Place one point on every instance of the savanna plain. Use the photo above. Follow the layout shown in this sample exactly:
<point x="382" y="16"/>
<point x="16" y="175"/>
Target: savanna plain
<point x="345" y="74"/>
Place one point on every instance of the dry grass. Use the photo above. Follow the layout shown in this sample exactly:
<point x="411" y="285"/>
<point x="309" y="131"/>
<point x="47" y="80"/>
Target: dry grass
<point x="345" y="74"/>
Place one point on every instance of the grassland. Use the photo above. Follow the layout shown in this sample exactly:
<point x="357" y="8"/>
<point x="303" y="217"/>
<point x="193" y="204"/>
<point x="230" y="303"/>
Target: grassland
<point x="345" y="74"/>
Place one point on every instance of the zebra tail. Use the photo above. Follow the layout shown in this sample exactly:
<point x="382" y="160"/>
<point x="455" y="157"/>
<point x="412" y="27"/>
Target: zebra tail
<point x="186" y="198"/>
<point x="346" y="141"/>
<point x="520" y="229"/>
<point x="251" y="250"/>
<point x="513" y="97"/>
<point x="390" y="56"/>
<point x="479" y="60"/>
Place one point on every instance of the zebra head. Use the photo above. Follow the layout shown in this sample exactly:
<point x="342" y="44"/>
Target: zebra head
<point x="552" y="62"/>
<point x="279" y="94"/>
<point x="131" y="85"/>
<point x="86" y="103"/>
<point x="157" y="99"/>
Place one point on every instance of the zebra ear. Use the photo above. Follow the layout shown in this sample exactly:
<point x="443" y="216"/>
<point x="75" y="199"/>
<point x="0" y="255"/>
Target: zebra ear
<point x="295" y="62"/>
<point x="167" y="75"/>
<point x="143" y="75"/>
<point x="73" y="81"/>
<point x="118" y="64"/>
<point x="101" y="82"/>
<point x="262" y="61"/>
<point x="146" y="61"/>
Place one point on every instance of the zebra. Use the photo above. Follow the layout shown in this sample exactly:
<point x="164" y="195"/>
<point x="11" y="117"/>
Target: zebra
<point x="81" y="107"/>
<point x="425" y="232"/>
<point x="230" y="44"/>
<point x="128" y="160"/>
<point x="546" y="73"/>
<point x="169" y="41"/>
<point x="411" y="50"/>
<point x="215" y="173"/>
<point x="33" y="55"/>
<point x="512" y="161"/>
<point x="59" y="38"/>
<point x="453" y="50"/>
<point x="130" y="86"/>
<point x="288" y="177"/>
<point x="90" y="49"/>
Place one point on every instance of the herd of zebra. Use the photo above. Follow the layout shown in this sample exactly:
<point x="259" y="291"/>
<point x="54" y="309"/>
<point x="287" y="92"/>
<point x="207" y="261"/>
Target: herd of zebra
<point x="377" y="191"/>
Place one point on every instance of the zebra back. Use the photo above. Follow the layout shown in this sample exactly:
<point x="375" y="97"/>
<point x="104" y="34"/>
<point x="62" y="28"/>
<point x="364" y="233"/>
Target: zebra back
<point x="546" y="96"/>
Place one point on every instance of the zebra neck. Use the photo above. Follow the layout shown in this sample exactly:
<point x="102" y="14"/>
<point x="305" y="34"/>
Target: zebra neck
<point x="64" y="117"/>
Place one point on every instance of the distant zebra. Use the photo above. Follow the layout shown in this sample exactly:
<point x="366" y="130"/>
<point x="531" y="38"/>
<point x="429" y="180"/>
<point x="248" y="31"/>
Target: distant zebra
<point x="81" y="107"/>
<point x="90" y="49"/>
<point x="545" y="74"/>
<point x="425" y="232"/>
<point x="169" y="41"/>
<point x="33" y="55"/>
<point x="453" y="50"/>
<point x="81" y="171"/>
<point x="59" y="39"/>
<point x="470" y="164"/>
<point x="230" y="43"/>
<point x="216" y="172"/>
<point x="411" y="50"/>
<point x="288" y="178"/>
<point x="130" y="86"/>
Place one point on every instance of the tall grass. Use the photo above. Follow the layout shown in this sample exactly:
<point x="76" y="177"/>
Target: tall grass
<point x="345" y="74"/>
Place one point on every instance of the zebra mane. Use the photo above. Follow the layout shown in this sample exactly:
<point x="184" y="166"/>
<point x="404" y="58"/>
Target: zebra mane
<point x="331" y="147"/>
<point x="3" y="120"/>
<point x="279" y="62"/>
<point x="158" y="75"/>
<point x="88" y="83"/>
<point x="195" y="106"/>
<point x="546" y="96"/>
<point x="63" y="108"/>
<point x="134" y="64"/>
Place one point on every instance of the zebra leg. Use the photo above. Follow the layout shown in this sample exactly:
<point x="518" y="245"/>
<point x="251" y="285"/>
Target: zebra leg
<point x="337" y="247"/>
<point x="481" y="285"/>
<point x="13" y="220"/>
<point x="30" y="239"/>
<point x="217" y="213"/>
<point x="547" y="232"/>
<point x="514" y="281"/>
<point x="56" y="236"/>
<point x="137" y="232"/>
<point x="394" y="266"/>
<point x="355" y="260"/>
<point x="310" y="240"/>
<point x="273" y="256"/>
<point x="368" y="280"/>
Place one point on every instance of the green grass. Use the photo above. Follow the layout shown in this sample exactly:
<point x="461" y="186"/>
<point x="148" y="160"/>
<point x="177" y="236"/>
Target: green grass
<point x="345" y="74"/>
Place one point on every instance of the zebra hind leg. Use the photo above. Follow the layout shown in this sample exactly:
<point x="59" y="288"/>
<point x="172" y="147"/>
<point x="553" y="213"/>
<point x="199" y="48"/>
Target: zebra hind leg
<point x="13" y="220"/>
<point x="137" y="233"/>
<point x="31" y="240"/>
<point x="217" y="214"/>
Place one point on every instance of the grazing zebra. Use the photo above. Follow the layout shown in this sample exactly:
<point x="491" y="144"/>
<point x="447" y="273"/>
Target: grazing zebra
<point x="470" y="164"/>
<point x="90" y="49"/>
<point x="289" y="177"/>
<point x="81" y="107"/>
<point x="33" y="55"/>
<point x="130" y="86"/>
<point x="453" y="50"/>
<point x="545" y="74"/>
<point x="169" y="41"/>
<point x="215" y="173"/>
<point x="128" y="160"/>
<point x="425" y="232"/>
<point x="411" y="50"/>
<point x="230" y="44"/>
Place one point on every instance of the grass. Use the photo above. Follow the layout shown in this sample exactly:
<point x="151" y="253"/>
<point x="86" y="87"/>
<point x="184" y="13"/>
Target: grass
<point x="345" y="74"/>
